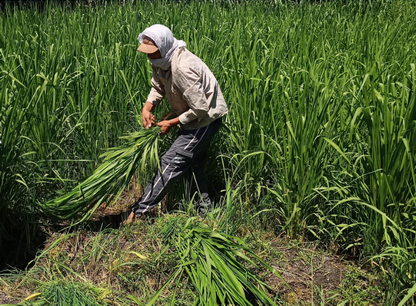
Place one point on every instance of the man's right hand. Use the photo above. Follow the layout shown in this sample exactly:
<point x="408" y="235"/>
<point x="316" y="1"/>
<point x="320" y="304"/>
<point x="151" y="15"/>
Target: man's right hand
<point x="147" y="117"/>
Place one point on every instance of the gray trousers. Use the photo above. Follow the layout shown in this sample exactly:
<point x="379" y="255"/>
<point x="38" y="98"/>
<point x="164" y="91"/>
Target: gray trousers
<point x="188" y="150"/>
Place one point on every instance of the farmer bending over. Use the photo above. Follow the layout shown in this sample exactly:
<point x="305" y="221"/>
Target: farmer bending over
<point x="195" y="97"/>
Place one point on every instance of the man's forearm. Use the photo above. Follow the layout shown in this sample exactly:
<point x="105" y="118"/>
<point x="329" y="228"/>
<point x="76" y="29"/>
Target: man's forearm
<point x="166" y="125"/>
<point x="148" y="106"/>
<point x="174" y="121"/>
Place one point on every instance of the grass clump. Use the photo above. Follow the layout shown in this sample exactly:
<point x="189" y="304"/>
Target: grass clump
<point x="64" y="293"/>
<point x="71" y="294"/>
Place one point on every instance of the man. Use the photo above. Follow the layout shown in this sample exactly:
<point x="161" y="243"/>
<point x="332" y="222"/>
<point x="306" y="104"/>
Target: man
<point x="195" y="96"/>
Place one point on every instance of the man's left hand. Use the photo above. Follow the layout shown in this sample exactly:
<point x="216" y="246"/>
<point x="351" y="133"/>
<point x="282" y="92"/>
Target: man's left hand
<point x="166" y="125"/>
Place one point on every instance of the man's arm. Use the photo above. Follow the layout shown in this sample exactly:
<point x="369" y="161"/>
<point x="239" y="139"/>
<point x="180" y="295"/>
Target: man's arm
<point x="157" y="92"/>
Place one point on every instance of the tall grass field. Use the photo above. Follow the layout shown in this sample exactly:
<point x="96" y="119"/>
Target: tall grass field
<point x="319" y="143"/>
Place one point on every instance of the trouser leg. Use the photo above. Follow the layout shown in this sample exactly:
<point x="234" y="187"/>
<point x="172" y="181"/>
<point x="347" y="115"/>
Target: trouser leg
<point x="199" y="187"/>
<point x="186" y="149"/>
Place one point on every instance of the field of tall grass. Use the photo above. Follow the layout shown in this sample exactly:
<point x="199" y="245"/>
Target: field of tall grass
<point x="318" y="145"/>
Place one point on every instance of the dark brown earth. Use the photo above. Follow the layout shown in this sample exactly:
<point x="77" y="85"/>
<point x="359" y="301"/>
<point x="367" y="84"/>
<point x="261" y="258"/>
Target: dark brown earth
<point x="114" y="214"/>
<point x="306" y="270"/>
<point x="4" y="299"/>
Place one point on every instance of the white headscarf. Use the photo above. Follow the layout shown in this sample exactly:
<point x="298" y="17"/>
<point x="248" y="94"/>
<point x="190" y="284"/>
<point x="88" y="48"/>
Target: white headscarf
<point x="166" y="43"/>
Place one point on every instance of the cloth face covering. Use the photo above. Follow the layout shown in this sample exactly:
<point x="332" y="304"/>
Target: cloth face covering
<point x="166" y="43"/>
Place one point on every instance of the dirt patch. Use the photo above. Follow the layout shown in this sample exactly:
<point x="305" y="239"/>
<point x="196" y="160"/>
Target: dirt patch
<point x="307" y="271"/>
<point x="4" y="299"/>
<point x="114" y="214"/>
<point x="123" y="204"/>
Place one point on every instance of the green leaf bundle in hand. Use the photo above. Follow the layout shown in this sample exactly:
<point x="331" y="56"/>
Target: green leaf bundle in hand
<point x="108" y="181"/>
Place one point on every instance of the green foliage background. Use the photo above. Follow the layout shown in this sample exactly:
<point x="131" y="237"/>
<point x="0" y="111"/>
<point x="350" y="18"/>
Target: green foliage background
<point x="322" y="124"/>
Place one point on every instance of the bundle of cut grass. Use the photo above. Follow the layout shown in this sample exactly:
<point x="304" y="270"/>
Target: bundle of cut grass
<point x="109" y="180"/>
<point x="215" y="265"/>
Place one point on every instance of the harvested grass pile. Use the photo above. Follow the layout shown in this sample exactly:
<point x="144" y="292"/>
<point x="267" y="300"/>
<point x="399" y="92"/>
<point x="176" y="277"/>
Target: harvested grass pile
<point x="108" y="181"/>
<point x="216" y="265"/>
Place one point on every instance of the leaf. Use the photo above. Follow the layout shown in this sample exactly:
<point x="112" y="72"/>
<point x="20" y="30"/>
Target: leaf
<point x="35" y="295"/>
<point x="333" y="144"/>
<point x="138" y="254"/>
<point x="409" y="294"/>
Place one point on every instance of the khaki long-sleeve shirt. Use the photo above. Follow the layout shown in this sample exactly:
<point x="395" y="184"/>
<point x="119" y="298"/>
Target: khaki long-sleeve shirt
<point x="190" y="88"/>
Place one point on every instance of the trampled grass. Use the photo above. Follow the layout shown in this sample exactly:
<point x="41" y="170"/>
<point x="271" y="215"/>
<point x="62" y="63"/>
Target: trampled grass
<point x="319" y="140"/>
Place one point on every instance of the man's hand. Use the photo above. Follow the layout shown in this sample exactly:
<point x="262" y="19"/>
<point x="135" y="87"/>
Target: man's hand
<point x="166" y="125"/>
<point x="147" y="117"/>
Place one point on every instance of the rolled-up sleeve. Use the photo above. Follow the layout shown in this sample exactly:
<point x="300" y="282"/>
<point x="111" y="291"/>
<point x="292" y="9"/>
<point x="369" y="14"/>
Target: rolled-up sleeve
<point x="190" y="83"/>
<point x="157" y="92"/>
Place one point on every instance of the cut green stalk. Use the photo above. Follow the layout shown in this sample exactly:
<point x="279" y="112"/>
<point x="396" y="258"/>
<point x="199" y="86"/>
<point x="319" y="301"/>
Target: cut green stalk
<point x="214" y="264"/>
<point x="109" y="180"/>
